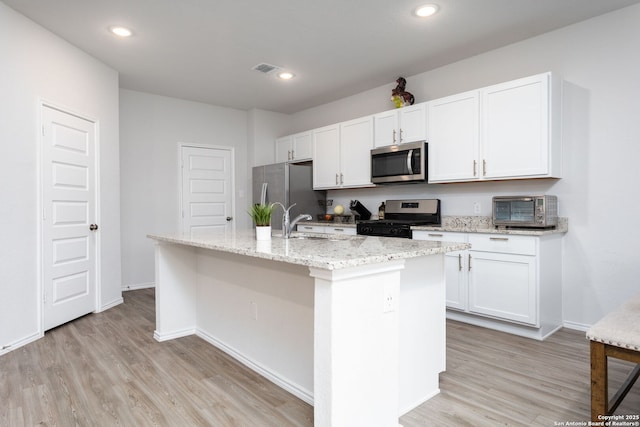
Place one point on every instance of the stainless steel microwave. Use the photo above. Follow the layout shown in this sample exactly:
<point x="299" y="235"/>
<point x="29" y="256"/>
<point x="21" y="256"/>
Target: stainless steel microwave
<point x="401" y="163"/>
<point x="525" y="211"/>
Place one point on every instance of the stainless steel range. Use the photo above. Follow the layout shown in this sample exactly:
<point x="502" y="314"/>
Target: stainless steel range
<point x="400" y="216"/>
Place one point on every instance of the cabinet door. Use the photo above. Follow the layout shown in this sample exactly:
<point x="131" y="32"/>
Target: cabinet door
<point x="515" y="128"/>
<point x="455" y="267"/>
<point x="385" y="129"/>
<point x="503" y="286"/>
<point x="356" y="142"/>
<point x="413" y="123"/>
<point x="454" y="138"/>
<point x="302" y="146"/>
<point x="283" y="149"/>
<point x="326" y="157"/>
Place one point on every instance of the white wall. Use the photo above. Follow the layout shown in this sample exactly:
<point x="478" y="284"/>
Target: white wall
<point x="598" y="60"/>
<point x="37" y="64"/>
<point x="151" y="128"/>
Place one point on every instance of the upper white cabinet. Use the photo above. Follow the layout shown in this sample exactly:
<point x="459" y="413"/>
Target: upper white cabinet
<point x="341" y="154"/>
<point x="506" y="131"/>
<point x="454" y="137"/>
<point x="407" y="124"/>
<point x="294" y="148"/>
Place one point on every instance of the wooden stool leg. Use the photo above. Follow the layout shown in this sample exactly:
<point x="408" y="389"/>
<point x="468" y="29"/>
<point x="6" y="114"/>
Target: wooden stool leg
<point x="599" y="381"/>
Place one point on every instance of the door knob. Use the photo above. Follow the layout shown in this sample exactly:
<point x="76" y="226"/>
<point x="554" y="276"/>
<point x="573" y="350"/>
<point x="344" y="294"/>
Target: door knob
<point x="93" y="227"/>
<point x="229" y="218"/>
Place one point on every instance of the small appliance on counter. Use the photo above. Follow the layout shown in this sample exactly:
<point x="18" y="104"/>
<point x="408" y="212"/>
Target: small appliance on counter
<point x="525" y="211"/>
<point x="359" y="210"/>
<point x="400" y="216"/>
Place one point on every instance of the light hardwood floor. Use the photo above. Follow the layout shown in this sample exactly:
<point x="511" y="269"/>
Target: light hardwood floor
<point x="106" y="369"/>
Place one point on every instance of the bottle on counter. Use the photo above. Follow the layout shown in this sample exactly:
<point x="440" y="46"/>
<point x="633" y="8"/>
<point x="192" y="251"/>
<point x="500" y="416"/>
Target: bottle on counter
<point x="381" y="211"/>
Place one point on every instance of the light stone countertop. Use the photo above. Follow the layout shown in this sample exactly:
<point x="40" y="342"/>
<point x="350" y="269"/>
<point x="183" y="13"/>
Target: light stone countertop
<point x="466" y="224"/>
<point x="330" y="252"/>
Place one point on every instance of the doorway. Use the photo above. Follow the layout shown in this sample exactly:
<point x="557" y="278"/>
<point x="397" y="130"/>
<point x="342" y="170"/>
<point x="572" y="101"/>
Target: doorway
<point x="69" y="216"/>
<point x="207" y="189"/>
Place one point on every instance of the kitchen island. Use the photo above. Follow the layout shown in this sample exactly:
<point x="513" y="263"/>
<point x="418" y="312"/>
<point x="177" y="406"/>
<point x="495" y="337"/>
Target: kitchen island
<point x="353" y="325"/>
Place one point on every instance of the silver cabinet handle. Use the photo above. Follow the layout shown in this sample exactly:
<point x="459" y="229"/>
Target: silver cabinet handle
<point x="293" y="155"/>
<point x="475" y="164"/>
<point x="336" y="179"/>
<point x="306" y="227"/>
<point x="341" y="179"/>
<point x="469" y="266"/>
<point x="434" y="235"/>
<point x="401" y="135"/>
<point x="338" y="229"/>
<point x="459" y="262"/>
<point x="394" y="136"/>
<point x="499" y="239"/>
<point x="484" y="167"/>
<point x="409" y="156"/>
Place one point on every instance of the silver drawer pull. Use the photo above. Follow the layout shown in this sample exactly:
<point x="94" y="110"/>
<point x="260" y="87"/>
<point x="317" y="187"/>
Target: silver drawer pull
<point x="338" y="229"/>
<point x="434" y="235"/>
<point x="308" y="228"/>
<point x="500" y="239"/>
<point x="459" y="262"/>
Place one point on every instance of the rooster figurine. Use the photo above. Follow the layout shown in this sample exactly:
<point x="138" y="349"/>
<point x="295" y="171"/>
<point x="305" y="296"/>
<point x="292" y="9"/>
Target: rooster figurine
<point x="400" y="96"/>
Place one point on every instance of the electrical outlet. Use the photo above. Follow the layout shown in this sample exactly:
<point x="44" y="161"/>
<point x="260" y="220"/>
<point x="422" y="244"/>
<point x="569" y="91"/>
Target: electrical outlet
<point x="389" y="301"/>
<point x="476" y="207"/>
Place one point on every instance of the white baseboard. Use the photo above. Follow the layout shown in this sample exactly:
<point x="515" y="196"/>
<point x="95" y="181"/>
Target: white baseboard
<point x="293" y="388"/>
<point x="112" y="304"/>
<point x="136" y="286"/>
<point x="577" y="326"/>
<point x="21" y="342"/>
<point x="173" y="335"/>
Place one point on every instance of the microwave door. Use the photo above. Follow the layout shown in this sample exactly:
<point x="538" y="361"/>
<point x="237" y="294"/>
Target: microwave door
<point x="389" y="164"/>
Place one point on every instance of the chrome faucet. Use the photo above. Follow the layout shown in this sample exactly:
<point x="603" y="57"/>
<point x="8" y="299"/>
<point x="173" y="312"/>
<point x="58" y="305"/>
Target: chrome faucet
<point x="287" y="223"/>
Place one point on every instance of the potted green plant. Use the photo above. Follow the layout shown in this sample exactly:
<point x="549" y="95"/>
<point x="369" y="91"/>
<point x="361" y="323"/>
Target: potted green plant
<point x="261" y="216"/>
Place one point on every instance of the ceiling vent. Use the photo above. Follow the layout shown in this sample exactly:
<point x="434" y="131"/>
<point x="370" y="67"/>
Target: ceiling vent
<point x="266" y="68"/>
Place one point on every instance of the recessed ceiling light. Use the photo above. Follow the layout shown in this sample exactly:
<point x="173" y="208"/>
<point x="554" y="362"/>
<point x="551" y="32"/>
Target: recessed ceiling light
<point x="285" y="75"/>
<point x="120" y="31"/>
<point x="425" y="10"/>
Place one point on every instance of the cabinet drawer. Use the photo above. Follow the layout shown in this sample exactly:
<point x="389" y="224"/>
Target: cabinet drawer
<point x="351" y="231"/>
<point x="439" y="236"/>
<point x="503" y="243"/>
<point x="312" y="228"/>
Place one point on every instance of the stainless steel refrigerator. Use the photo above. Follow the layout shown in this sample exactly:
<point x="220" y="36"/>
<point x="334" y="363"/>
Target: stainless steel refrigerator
<point x="288" y="183"/>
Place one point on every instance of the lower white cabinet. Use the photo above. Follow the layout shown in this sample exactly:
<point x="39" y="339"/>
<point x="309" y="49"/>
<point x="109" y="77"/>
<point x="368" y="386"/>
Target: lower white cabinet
<point x="506" y="282"/>
<point x="327" y="229"/>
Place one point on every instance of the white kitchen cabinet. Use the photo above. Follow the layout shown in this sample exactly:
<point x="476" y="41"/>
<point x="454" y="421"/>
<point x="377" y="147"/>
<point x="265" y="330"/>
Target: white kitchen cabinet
<point x="341" y="154"/>
<point x="455" y="266"/>
<point x="505" y="131"/>
<point x="294" y="148"/>
<point x="454" y="137"/>
<point x="511" y="283"/>
<point x="406" y="124"/>
<point x="327" y="229"/>
<point x="503" y="286"/>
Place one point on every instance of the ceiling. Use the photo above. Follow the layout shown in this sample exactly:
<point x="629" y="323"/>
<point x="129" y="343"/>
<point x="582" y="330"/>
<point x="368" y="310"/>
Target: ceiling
<point x="204" y="50"/>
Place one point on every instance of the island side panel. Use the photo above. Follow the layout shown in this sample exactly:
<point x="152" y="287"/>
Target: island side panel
<point x="422" y="330"/>
<point x="261" y="313"/>
<point x="356" y="345"/>
<point x="175" y="291"/>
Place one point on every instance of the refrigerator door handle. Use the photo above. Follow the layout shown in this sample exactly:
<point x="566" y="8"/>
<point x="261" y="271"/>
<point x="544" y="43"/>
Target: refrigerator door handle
<point x="263" y="195"/>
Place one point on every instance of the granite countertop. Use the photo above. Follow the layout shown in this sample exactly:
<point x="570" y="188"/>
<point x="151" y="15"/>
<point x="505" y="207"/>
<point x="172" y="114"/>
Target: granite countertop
<point x="330" y="252"/>
<point x="467" y="224"/>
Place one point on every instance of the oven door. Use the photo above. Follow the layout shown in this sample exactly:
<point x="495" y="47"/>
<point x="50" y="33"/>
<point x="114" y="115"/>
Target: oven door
<point x="399" y="163"/>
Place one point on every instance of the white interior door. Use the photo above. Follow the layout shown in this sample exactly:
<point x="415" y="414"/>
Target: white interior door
<point x="207" y="204"/>
<point x="69" y="217"/>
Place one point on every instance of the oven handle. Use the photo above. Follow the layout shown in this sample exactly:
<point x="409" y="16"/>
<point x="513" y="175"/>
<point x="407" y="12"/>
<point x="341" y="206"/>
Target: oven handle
<point x="409" y="165"/>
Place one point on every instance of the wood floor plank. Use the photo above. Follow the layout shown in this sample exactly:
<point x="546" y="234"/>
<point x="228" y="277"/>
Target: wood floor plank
<point x="106" y="369"/>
